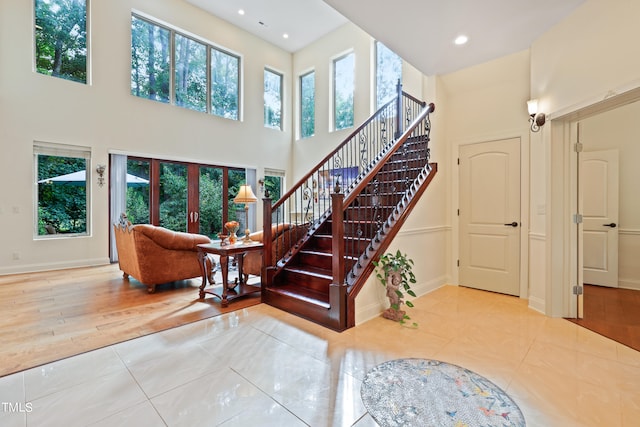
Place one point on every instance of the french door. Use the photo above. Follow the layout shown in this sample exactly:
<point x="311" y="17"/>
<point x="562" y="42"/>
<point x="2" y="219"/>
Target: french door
<point x="180" y="196"/>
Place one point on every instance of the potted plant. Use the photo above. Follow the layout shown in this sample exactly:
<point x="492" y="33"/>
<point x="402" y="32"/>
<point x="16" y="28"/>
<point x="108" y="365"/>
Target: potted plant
<point x="395" y="273"/>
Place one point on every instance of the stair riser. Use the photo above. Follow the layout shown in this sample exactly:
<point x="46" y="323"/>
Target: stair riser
<point x="401" y="163"/>
<point x="364" y="229"/>
<point x="323" y="244"/>
<point x="365" y="215"/>
<point x="318" y="284"/>
<point x="371" y="200"/>
<point x="315" y="260"/>
<point x="307" y="311"/>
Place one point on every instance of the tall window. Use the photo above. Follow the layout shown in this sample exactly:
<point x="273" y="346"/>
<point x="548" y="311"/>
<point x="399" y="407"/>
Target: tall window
<point x="190" y="73"/>
<point x="185" y="81"/>
<point x="63" y="189"/>
<point x="343" y="87"/>
<point x="150" y="60"/>
<point x="307" y="104"/>
<point x="388" y="72"/>
<point x="224" y="84"/>
<point x="272" y="99"/>
<point x="61" y="38"/>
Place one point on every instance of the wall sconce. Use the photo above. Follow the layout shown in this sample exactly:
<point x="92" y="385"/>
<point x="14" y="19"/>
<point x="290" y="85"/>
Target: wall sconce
<point x="100" y="170"/>
<point x="537" y="119"/>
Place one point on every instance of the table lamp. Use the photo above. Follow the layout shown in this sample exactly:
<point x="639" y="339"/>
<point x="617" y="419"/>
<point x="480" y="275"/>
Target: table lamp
<point x="245" y="195"/>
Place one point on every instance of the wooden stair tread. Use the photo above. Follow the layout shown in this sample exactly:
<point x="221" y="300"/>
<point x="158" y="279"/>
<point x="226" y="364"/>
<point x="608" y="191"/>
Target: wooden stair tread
<point x="302" y="294"/>
<point x="310" y="271"/>
<point x="315" y="252"/>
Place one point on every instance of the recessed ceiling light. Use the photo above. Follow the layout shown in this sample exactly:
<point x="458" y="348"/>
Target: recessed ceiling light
<point x="461" y="39"/>
<point x="285" y="36"/>
<point x="241" y="12"/>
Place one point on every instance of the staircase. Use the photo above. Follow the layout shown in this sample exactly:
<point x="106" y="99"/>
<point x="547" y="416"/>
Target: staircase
<point x="346" y="211"/>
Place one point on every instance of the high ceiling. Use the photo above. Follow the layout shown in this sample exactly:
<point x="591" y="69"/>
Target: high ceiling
<point x="420" y="31"/>
<point x="303" y="20"/>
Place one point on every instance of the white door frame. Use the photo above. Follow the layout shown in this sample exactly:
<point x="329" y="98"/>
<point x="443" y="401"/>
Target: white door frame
<point x="524" y="204"/>
<point x="564" y="261"/>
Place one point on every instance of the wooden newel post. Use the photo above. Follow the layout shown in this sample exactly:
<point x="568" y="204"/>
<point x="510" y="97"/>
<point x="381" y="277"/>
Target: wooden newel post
<point x="338" y="289"/>
<point x="267" y="250"/>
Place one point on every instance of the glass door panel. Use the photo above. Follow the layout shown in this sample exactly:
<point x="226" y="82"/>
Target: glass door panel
<point x="273" y="185"/>
<point x="138" y="173"/>
<point x="173" y="196"/>
<point x="235" y="178"/>
<point x="210" y="197"/>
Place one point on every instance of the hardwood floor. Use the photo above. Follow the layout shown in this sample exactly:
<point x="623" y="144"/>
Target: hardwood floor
<point x="52" y="315"/>
<point x="612" y="312"/>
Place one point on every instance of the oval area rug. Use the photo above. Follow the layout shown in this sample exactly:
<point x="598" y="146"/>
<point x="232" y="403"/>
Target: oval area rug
<point x="421" y="392"/>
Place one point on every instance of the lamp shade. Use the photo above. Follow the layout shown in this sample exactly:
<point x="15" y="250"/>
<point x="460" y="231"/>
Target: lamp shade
<point x="532" y="106"/>
<point x="245" y="195"/>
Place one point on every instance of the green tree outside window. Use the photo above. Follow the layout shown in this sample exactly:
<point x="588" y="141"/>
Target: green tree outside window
<point x="61" y="38"/>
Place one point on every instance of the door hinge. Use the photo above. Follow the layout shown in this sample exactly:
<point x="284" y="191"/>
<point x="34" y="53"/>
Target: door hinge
<point x="578" y="147"/>
<point x="458" y="263"/>
<point x="577" y="290"/>
<point x="458" y="212"/>
<point x="458" y="160"/>
<point x="577" y="218"/>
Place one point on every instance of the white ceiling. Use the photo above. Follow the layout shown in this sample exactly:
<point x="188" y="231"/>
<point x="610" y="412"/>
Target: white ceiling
<point x="303" y="20"/>
<point x="420" y="31"/>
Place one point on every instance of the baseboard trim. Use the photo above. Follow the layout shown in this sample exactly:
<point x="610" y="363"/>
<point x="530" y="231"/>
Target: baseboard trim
<point x="35" y="268"/>
<point x="629" y="284"/>
<point x="537" y="304"/>
<point x="374" y="310"/>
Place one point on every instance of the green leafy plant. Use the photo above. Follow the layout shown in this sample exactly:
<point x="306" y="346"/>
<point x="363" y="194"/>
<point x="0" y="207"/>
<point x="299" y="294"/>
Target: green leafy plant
<point x="395" y="272"/>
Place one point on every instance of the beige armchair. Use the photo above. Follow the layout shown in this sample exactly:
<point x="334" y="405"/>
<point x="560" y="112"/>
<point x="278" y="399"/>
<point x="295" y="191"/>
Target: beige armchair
<point x="155" y="255"/>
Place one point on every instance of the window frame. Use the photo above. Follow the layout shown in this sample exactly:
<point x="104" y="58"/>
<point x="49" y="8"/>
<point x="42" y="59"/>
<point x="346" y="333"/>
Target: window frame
<point x="334" y="104"/>
<point x="61" y="150"/>
<point x="170" y="96"/>
<point x="302" y="105"/>
<point x="87" y="48"/>
<point x="173" y="31"/>
<point x="280" y="97"/>
<point x="238" y="81"/>
<point x="174" y="67"/>
<point x="376" y="101"/>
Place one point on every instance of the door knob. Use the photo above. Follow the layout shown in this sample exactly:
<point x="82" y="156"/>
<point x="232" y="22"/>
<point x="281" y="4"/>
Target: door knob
<point x="612" y="225"/>
<point x="512" y="224"/>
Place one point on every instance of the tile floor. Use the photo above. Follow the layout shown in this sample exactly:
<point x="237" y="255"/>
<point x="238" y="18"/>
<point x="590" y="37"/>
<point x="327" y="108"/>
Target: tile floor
<point x="262" y="367"/>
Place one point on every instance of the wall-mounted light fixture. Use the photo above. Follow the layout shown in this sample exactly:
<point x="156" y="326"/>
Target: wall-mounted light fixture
<point x="100" y="170"/>
<point x="537" y="119"/>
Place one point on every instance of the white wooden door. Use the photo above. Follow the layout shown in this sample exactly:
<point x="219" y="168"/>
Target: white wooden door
<point x="489" y="216"/>
<point x="599" y="192"/>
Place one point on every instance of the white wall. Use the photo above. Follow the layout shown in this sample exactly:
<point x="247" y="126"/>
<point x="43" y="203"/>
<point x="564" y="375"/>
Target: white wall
<point x="483" y="103"/>
<point x="590" y="53"/>
<point x="104" y="116"/>
<point x="588" y="57"/>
